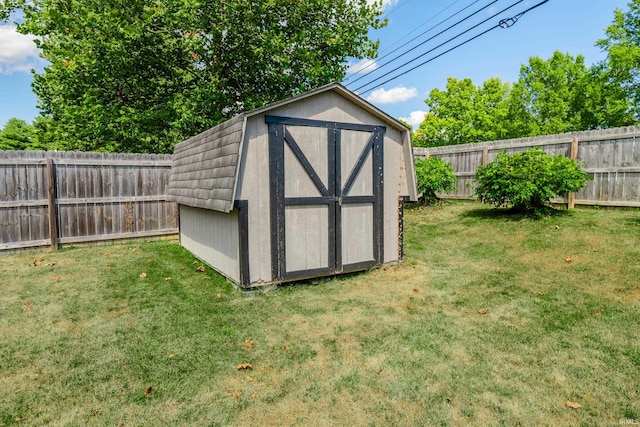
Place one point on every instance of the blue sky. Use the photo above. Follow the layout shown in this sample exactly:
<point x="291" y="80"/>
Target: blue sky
<point x="571" y="26"/>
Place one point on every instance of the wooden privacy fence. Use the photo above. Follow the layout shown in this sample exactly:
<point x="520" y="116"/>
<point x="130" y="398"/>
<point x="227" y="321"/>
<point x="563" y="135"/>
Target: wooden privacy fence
<point x="52" y="198"/>
<point x="611" y="156"/>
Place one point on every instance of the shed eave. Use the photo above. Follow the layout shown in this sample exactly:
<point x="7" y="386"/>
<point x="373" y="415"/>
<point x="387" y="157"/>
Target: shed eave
<point x="342" y="91"/>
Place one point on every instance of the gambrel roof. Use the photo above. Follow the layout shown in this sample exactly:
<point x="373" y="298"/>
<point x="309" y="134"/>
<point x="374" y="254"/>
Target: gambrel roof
<point x="203" y="171"/>
<point x="205" y="167"/>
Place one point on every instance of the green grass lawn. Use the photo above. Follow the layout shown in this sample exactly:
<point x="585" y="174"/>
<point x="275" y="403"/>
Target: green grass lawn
<point x="84" y="340"/>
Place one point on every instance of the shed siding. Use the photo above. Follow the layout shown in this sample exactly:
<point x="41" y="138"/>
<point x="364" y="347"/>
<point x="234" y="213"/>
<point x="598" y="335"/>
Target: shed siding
<point x="253" y="183"/>
<point x="395" y="186"/>
<point x="213" y="237"/>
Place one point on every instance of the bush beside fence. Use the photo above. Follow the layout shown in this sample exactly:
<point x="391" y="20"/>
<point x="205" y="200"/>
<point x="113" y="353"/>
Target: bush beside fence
<point x="611" y="156"/>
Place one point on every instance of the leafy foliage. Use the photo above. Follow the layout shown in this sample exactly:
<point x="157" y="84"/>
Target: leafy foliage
<point x="464" y="113"/>
<point x="562" y="95"/>
<point x="140" y="76"/>
<point x="528" y="180"/>
<point x="16" y="135"/>
<point x="434" y="176"/>
<point x="622" y="45"/>
<point x="556" y="95"/>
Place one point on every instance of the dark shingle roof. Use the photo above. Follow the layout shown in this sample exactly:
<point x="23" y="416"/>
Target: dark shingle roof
<point x="204" y="167"/>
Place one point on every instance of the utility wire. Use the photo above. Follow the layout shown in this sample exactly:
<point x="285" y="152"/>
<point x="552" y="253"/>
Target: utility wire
<point x="398" y="6"/>
<point x="389" y="47"/>
<point x="504" y="23"/>
<point x="370" y="64"/>
<point x="424" y="42"/>
<point x="440" y="45"/>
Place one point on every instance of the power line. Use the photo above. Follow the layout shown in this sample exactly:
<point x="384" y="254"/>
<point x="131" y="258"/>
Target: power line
<point x="424" y="42"/>
<point x="370" y="64"/>
<point x="398" y="6"/>
<point x="504" y="23"/>
<point x="387" y="48"/>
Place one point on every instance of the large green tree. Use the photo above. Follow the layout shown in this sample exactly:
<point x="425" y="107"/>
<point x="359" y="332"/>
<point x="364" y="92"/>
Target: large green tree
<point x="546" y="98"/>
<point x="556" y="95"/>
<point x="17" y="134"/>
<point x="622" y="45"/>
<point x="142" y="75"/>
<point x="464" y="113"/>
<point x="561" y="94"/>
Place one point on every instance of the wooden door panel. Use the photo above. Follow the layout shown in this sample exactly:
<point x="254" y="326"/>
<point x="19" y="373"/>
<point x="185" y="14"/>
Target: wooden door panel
<point x="357" y="234"/>
<point x="306" y="231"/>
<point x="312" y="141"/>
<point x="326" y="197"/>
<point x="298" y="183"/>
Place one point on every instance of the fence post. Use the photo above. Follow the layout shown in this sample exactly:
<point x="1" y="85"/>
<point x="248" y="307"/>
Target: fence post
<point x="571" y="198"/>
<point x="51" y="193"/>
<point x="485" y="156"/>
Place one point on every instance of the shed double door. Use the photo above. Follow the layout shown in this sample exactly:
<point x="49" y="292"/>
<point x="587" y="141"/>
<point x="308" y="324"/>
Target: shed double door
<point x="326" y="197"/>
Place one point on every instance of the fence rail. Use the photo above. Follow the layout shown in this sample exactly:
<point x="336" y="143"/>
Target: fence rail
<point x="52" y="198"/>
<point x="611" y="156"/>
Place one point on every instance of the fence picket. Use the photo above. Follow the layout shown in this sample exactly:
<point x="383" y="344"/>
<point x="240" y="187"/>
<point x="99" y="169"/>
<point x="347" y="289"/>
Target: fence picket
<point x="611" y="156"/>
<point x="48" y="198"/>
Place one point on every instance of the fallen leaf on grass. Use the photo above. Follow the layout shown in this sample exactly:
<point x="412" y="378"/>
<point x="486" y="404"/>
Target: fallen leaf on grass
<point x="248" y="342"/>
<point x="200" y="269"/>
<point x="568" y="259"/>
<point x="57" y="278"/>
<point x="170" y="356"/>
<point x="95" y="412"/>
<point x="408" y="307"/>
<point x="167" y="278"/>
<point x="37" y="262"/>
<point x="596" y="313"/>
<point x="27" y="307"/>
<point x="573" y="405"/>
<point x="254" y="396"/>
<point x="148" y="391"/>
<point x="195" y="262"/>
<point x="416" y="290"/>
<point x="557" y="227"/>
<point x="237" y="395"/>
<point x="244" y="366"/>
<point x="18" y="419"/>
<point x="149" y="260"/>
<point x="143" y="275"/>
<point x="218" y="295"/>
<point x="483" y="311"/>
<point x="106" y="264"/>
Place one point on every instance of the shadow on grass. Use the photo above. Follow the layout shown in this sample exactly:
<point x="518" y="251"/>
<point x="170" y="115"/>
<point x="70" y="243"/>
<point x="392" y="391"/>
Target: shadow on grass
<point x="634" y="220"/>
<point x="512" y="214"/>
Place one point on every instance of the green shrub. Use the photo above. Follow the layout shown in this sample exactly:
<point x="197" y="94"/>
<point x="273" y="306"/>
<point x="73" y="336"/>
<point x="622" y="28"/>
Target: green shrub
<point x="434" y="176"/>
<point x="528" y="180"/>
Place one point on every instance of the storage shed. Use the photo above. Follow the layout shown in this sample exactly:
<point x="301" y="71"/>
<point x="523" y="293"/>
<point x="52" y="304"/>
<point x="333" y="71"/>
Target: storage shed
<point x="307" y="187"/>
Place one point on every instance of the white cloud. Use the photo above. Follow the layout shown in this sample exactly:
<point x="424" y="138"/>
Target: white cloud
<point x="415" y="118"/>
<point x="18" y="52"/>
<point x="362" y="66"/>
<point x="392" y="96"/>
<point x="385" y="3"/>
